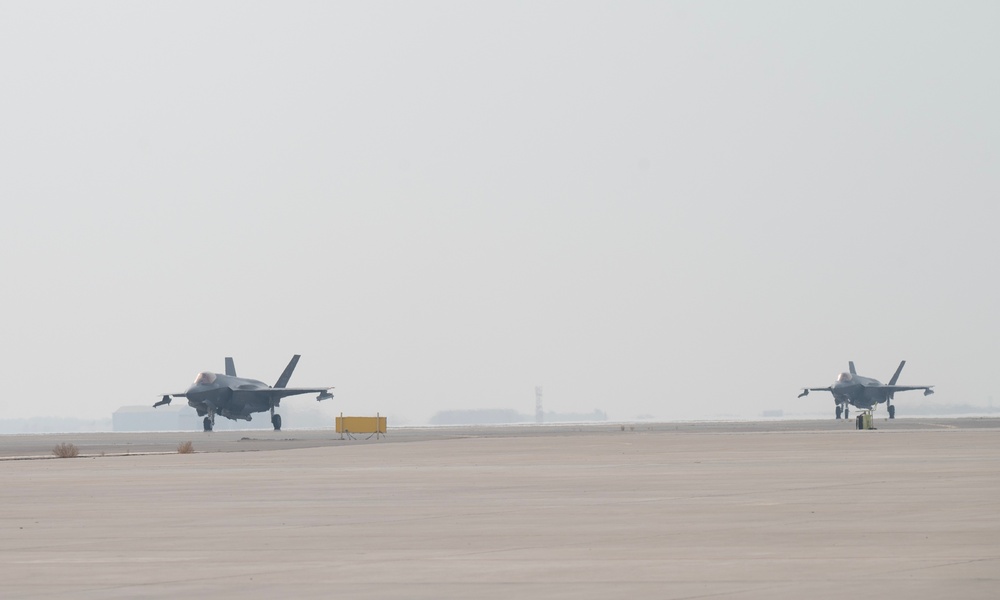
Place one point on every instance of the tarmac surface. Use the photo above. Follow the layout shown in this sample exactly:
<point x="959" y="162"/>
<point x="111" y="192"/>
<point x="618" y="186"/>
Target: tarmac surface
<point x="779" y="509"/>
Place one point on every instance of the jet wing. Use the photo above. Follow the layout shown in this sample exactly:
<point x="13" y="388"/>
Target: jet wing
<point x="278" y="393"/>
<point x="892" y="389"/>
<point x="324" y="393"/>
<point x="805" y="391"/>
<point x="166" y="398"/>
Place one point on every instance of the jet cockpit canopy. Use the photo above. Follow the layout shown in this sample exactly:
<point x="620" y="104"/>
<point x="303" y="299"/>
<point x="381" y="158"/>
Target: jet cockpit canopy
<point x="844" y="378"/>
<point x="204" y="378"/>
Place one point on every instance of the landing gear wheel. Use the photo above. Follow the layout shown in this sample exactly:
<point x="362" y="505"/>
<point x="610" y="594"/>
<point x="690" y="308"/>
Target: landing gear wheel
<point x="892" y="412"/>
<point x="208" y="423"/>
<point x="847" y="413"/>
<point x="276" y="421"/>
<point x="840" y="411"/>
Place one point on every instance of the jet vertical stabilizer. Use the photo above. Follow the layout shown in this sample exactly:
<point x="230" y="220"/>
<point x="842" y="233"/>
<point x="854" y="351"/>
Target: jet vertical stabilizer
<point x="287" y="373"/>
<point x="895" y="376"/>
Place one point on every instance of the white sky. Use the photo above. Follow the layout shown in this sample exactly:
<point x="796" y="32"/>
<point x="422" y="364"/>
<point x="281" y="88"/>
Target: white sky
<point x="683" y="209"/>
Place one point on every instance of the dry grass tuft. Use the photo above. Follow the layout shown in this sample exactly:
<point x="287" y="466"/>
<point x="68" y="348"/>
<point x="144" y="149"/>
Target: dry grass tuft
<point x="185" y="448"/>
<point x="65" y="450"/>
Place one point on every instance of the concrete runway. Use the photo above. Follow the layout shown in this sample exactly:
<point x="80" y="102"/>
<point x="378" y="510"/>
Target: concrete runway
<point x="807" y="509"/>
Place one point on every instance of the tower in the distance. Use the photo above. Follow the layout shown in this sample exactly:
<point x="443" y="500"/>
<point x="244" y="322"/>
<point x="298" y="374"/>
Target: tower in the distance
<point x="538" y="404"/>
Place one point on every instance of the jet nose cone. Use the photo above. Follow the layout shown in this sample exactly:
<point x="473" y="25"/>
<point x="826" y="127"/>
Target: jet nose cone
<point x="196" y="390"/>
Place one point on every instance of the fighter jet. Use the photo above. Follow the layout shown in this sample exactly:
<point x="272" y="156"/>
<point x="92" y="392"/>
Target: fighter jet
<point x="237" y="397"/>
<point x="864" y="392"/>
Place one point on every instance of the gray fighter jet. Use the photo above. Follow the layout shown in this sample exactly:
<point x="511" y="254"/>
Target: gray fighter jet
<point x="864" y="392"/>
<point x="237" y="397"/>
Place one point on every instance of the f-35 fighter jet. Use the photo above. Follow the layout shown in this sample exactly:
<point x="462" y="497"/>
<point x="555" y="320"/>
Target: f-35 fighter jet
<point x="864" y="392"/>
<point x="238" y="397"/>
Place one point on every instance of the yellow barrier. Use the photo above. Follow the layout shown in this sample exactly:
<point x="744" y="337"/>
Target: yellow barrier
<point x="350" y="425"/>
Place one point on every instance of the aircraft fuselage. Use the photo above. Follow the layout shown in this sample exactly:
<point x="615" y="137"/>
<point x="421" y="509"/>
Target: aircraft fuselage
<point x="861" y="392"/>
<point x="223" y="396"/>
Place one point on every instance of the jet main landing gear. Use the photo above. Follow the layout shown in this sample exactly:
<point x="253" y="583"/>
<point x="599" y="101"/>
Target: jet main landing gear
<point x="275" y="419"/>
<point x="892" y="411"/>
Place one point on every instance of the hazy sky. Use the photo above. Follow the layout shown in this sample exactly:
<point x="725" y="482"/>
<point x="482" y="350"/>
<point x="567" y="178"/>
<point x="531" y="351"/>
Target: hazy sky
<point x="683" y="209"/>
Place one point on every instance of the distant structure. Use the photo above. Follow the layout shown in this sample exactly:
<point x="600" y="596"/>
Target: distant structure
<point x="539" y="415"/>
